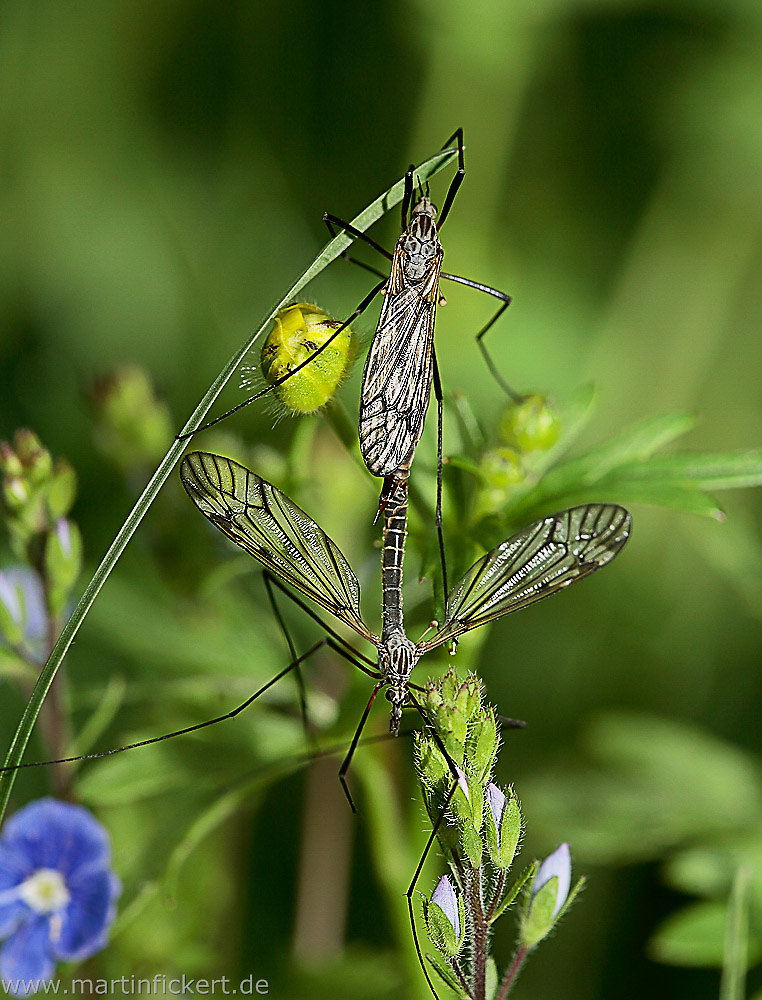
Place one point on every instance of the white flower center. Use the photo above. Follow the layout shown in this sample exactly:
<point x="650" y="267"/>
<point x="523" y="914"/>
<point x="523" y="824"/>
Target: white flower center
<point x="45" y="891"/>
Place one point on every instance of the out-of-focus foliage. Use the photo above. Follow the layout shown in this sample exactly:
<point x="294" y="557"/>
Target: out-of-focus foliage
<point x="164" y="169"/>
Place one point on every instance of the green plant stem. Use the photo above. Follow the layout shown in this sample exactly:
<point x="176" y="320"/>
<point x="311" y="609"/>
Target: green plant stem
<point x="496" y="896"/>
<point x="512" y="973"/>
<point x="331" y="251"/>
<point x="480" y="927"/>
<point x="459" y="976"/>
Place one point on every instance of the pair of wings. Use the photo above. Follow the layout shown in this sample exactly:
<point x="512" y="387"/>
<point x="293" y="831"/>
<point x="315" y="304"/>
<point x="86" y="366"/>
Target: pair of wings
<point x="538" y="561"/>
<point x="396" y="379"/>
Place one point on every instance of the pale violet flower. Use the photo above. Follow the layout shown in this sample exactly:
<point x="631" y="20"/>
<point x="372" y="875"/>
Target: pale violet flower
<point x="22" y="595"/>
<point x="496" y="801"/>
<point x="445" y="898"/>
<point x="558" y="865"/>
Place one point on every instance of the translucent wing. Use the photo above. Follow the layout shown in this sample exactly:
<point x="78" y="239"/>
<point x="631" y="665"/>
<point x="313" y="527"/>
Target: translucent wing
<point x="263" y="521"/>
<point x="397" y="376"/>
<point x="538" y="561"/>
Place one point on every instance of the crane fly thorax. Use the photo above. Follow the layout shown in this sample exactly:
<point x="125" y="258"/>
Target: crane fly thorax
<point x="396" y="660"/>
<point x="420" y="244"/>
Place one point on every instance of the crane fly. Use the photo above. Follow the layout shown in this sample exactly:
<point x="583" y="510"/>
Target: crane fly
<point x="396" y="381"/>
<point x="401" y="362"/>
<point x="534" y="563"/>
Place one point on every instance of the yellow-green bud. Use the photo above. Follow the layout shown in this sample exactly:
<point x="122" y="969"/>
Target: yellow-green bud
<point x="298" y="332"/>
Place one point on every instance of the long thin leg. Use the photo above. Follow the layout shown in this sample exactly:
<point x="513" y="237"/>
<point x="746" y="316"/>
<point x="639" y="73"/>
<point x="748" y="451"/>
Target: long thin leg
<point x="457" y="179"/>
<point x="274" y="385"/>
<point x="267" y="577"/>
<point x="333" y="224"/>
<point x="440" y="536"/>
<point x="328" y="641"/>
<point x="506" y="301"/>
<point x="334" y="220"/>
<point x="350" y="651"/>
<point x="353" y="745"/>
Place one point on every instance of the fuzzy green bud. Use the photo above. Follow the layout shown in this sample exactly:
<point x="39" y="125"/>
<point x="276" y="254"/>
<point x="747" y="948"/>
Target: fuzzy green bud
<point x="10" y="463"/>
<point x="501" y="468"/>
<point x="530" y="425"/>
<point x="482" y="743"/>
<point x="33" y="456"/>
<point x="61" y="491"/>
<point x="133" y="427"/>
<point x="63" y="562"/>
<point x="549" y="893"/>
<point x="16" y="493"/>
<point x="502" y="826"/>
<point x="445" y="919"/>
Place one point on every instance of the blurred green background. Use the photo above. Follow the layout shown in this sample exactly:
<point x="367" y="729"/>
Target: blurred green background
<point x="164" y="168"/>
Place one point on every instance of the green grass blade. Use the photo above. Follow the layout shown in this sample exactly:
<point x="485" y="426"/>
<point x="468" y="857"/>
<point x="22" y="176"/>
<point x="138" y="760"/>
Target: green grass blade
<point x="330" y="252"/>
<point x="733" y="983"/>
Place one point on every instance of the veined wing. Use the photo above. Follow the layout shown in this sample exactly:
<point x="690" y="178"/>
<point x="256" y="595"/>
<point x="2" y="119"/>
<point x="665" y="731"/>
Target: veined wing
<point x="269" y="526"/>
<point x="397" y="376"/>
<point x="538" y="561"/>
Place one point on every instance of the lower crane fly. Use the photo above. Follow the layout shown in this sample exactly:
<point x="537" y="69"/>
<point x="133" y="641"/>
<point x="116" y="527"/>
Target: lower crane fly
<point x="534" y="563"/>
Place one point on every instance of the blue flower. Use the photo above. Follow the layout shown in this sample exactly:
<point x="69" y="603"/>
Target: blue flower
<point x="57" y="892"/>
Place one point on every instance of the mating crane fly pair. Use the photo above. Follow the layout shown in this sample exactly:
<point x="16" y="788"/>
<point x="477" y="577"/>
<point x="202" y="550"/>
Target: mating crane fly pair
<point x="538" y="561"/>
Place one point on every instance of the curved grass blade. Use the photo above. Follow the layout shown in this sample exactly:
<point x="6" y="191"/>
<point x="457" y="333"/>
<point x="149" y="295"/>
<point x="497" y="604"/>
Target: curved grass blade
<point x="330" y="252"/>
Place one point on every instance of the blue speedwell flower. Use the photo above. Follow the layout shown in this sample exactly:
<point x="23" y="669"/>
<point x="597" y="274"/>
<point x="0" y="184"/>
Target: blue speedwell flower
<point x="57" y="892"/>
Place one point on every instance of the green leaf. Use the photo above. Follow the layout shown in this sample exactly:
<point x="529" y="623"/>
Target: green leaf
<point x="636" y="443"/>
<point x="685" y="498"/>
<point x="446" y="975"/>
<point x="694" y="937"/>
<point x="724" y="471"/>
<point x="330" y="252"/>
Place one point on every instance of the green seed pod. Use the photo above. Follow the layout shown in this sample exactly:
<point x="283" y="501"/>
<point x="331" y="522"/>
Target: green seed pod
<point x="298" y="332"/>
<point x="530" y="425"/>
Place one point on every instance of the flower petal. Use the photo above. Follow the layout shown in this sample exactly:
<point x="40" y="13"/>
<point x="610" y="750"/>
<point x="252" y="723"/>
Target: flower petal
<point x="496" y="800"/>
<point x="445" y="898"/>
<point x="11" y="915"/>
<point x="15" y="866"/>
<point x="88" y="916"/>
<point x="53" y="834"/>
<point x="26" y="955"/>
<point x="557" y="864"/>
